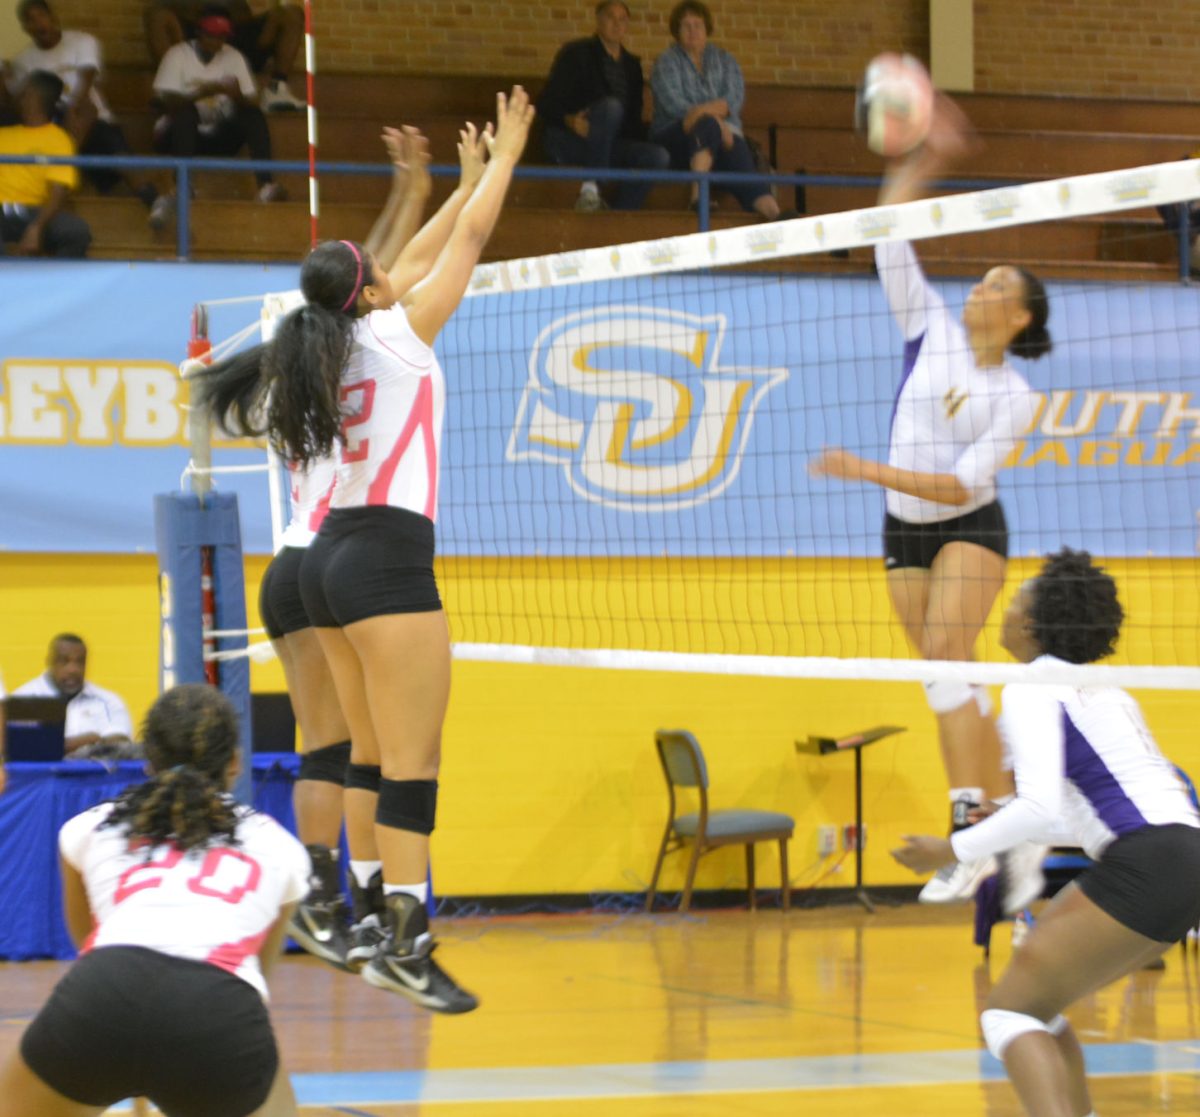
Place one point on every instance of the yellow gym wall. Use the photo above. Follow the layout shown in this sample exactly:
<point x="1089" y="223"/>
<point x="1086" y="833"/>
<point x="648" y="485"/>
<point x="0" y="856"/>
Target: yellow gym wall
<point x="550" y="781"/>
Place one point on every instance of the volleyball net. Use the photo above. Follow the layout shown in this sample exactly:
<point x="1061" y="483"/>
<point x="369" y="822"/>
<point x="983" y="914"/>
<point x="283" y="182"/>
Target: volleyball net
<point x="626" y="470"/>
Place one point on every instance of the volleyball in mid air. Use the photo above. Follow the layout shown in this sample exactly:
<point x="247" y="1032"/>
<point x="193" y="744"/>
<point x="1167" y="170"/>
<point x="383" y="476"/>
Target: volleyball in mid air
<point x="895" y="104"/>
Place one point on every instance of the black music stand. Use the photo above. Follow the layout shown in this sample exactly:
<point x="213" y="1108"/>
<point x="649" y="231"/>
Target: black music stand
<point x="856" y="742"/>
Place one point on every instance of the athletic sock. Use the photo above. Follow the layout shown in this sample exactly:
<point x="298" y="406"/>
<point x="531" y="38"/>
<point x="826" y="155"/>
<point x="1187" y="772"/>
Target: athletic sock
<point x="420" y="891"/>
<point x="363" y="871"/>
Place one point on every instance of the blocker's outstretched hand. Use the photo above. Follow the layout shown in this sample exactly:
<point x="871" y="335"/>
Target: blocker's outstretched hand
<point x="408" y="150"/>
<point x="472" y="153"/>
<point x="514" y="115"/>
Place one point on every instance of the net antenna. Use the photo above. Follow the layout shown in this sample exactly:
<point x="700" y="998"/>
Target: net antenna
<point x="310" y="94"/>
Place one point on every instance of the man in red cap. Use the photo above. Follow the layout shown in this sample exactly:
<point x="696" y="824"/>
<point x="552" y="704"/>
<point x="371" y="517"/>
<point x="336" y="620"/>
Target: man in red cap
<point x="207" y="93"/>
<point x="269" y="33"/>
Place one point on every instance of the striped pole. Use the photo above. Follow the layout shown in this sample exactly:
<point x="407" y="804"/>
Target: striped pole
<point x="310" y="69"/>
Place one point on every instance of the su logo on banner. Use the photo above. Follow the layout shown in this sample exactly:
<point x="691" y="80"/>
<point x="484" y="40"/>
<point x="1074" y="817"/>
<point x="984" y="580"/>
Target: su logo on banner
<point x="635" y="405"/>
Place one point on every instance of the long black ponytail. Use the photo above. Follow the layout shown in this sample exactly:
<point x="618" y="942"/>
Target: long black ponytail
<point x="191" y="735"/>
<point x="297" y="375"/>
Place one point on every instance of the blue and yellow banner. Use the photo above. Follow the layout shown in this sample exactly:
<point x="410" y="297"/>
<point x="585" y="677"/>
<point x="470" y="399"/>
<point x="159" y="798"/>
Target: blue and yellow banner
<point x="666" y="415"/>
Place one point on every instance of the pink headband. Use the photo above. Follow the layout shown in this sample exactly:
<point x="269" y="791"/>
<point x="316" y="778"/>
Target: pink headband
<point x="357" y="278"/>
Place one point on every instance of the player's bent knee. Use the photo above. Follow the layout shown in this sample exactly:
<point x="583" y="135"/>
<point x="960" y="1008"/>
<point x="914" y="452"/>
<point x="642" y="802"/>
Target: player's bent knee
<point x="326" y="765"/>
<point x="1001" y="1027"/>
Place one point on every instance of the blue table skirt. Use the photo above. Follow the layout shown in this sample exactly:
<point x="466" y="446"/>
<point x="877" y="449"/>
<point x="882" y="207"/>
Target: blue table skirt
<point x="40" y="798"/>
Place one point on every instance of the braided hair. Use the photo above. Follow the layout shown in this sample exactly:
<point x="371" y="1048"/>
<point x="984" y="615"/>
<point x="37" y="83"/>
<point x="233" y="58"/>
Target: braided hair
<point x="191" y="735"/>
<point x="289" y="388"/>
<point x="1075" y="614"/>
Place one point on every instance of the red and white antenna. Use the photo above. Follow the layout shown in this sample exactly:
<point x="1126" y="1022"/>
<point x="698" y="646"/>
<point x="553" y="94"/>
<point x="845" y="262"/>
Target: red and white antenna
<point x="310" y="70"/>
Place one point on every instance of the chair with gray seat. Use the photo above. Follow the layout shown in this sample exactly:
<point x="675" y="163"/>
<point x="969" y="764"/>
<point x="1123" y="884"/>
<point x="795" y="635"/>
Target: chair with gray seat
<point x="683" y="766"/>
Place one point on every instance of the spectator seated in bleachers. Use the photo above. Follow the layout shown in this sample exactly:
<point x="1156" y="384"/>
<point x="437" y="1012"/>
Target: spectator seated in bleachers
<point x="207" y="94"/>
<point x="591" y="110"/>
<point x="698" y="94"/>
<point x="33" y="220"/>
<point x="75" y="58"/>
<point x="270" y="40"/>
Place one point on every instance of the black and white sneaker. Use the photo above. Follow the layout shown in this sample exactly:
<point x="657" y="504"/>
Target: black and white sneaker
<point x="367" y="933"/>
<point x="323" y="930"/>
<point x="321" y="923"/>
<point x="366" y="937"/>
<point x="404" y="963"/>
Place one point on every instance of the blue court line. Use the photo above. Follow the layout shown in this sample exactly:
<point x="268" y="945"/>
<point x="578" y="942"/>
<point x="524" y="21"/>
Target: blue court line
<point x="627" y="1080"/>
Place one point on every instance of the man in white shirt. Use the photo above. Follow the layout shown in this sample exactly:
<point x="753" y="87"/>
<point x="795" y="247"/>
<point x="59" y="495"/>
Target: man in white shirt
<point x="207" y="92"/>
<point x="75" y="57"/>
<point x="95" y="716"/>
<point x="268" y="32"/>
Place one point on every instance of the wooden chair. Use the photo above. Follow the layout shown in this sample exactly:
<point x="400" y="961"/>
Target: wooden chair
<point x="683" y="766"/>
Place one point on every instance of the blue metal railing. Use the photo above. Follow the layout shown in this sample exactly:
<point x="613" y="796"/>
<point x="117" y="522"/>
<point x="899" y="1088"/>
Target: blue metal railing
<point x="184" y="169"/>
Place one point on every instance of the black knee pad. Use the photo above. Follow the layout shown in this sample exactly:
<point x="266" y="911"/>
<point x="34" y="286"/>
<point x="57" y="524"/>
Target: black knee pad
<point x="326" y="764"/>
<point x="363" y="777"/>
<point x="407" y="805"/>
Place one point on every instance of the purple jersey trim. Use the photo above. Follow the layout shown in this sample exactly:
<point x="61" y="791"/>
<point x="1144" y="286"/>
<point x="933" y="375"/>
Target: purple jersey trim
<point x="1098" y="785"/>
<point x="912" y="349"/>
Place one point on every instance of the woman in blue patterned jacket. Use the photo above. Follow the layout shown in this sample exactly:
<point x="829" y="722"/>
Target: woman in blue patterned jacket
<point x="698" y="95"/>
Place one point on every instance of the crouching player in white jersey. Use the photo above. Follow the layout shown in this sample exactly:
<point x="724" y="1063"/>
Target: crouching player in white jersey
<point x="959" y="411"/>
<point x="179" y="900"/>
<point x="1084" y="755"/>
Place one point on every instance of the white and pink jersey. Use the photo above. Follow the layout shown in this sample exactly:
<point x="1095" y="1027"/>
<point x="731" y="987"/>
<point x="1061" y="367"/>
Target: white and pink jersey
<point x="213" y="905"/>
<point x="394" y="399"/>
<point x="312" y="491"/>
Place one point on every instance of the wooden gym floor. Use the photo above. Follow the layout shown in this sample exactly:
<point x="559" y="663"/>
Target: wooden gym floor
<point x="830" y="1012"/>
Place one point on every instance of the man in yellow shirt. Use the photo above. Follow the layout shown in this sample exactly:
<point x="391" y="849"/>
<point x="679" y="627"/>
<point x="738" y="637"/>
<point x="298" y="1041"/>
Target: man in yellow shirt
<point x="33" y="221"/>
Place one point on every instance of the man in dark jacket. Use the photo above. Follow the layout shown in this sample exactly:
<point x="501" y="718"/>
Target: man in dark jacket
<point x="591" y="110"/>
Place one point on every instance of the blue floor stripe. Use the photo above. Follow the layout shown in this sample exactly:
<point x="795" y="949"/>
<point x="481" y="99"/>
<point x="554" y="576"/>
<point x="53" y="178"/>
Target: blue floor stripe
<point x="714" y="1077"/>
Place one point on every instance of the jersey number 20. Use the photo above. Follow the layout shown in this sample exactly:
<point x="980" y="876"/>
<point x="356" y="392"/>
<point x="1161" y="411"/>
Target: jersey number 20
<point x="226" y="874"/>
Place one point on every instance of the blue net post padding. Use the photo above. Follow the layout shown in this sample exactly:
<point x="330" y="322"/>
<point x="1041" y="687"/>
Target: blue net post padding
<point x="182" y="528"/>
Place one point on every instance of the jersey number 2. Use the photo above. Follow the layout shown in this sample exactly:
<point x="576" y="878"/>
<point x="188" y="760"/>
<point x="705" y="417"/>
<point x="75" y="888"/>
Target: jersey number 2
<point x="354" y="448"/>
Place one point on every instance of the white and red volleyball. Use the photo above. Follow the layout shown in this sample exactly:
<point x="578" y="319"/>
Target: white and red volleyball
<point x="895" y="104"/>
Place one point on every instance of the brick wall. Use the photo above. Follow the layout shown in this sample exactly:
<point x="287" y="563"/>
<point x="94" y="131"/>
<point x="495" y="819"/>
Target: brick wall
<point x="1117" y="48"/>
<point x="1099" y="48"/>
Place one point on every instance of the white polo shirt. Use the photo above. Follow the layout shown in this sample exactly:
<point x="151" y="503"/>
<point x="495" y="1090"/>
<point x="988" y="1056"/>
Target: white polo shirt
<point x="183" y="71"/>
<point x="92" y="710"/>
<point x="71" y="58"/>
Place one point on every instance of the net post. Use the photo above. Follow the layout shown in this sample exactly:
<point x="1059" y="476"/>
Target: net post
<point x="201" y="578"/>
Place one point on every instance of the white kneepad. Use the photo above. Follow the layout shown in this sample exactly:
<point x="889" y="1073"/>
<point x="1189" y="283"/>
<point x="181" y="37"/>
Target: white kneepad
<point x="1001" y="1027"/>
<point x="946" y="695"/>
